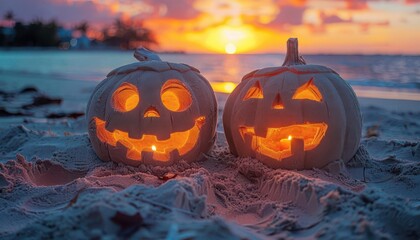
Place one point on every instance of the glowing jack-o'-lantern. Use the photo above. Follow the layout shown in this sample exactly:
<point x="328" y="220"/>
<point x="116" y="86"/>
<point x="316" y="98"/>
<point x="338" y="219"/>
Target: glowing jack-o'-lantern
<point x="296" y="116"/>
<point x="152" y="112"/>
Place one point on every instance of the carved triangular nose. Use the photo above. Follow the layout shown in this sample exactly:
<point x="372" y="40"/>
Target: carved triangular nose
<point x="278" y="103"/>
<point x="151" y="112"/>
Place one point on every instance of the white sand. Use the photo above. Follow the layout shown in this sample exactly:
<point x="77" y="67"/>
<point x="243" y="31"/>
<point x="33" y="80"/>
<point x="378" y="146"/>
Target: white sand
<point x="52" y="185"/>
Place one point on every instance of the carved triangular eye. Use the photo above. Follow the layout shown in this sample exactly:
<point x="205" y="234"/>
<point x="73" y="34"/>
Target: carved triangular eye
<point x="308" y="91"/>
<point x="278" y="103"/>
<point x="254" y="92"/>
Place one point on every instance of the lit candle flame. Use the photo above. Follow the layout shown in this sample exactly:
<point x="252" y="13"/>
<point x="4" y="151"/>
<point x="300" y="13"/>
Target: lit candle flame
<point x="289" y="138"/>
<point x="153" y="147"/>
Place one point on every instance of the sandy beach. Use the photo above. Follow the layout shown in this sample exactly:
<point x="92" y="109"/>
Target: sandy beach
<point x="52" y="184"/>
<point x="201" y="119"/>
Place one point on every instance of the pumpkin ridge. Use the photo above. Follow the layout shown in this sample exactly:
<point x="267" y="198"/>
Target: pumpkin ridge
<point x="249" y="75"/>
<point x="292" y="69"/>
<point x="150" y="66"/>
<point x="348" y="132"/>
<point x="328" y="86"/>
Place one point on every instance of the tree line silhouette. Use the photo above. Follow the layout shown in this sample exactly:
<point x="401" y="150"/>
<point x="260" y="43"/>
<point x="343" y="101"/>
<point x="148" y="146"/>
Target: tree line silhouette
<point x="122" y="33"/>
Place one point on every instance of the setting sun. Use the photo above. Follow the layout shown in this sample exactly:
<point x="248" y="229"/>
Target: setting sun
<point x="223" y="87"/>
<point x="229" y="39"/>
<point x="230" y="48"/>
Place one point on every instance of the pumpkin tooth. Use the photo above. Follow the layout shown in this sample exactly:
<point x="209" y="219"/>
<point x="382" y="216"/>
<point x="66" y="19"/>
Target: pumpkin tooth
<point x="147" y="157"/>
<point x="161" y="156"/>
<point x="134" y="154"/>
<point x="260" y="130"/>
<point x="135" y="134"/>
<point x="297" y="146"/>
<point x="174" y="154"/>
<point x="118" y="151"/>
<point x="297" y="153"/>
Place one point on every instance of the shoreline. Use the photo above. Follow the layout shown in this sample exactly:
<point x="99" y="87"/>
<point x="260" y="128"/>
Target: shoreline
<point x="57" y="86"/>
<point x="390" y="104"/>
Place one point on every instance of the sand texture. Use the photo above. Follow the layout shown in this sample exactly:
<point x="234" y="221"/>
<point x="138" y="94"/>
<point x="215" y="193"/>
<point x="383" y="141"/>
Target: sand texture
<point x="52" y="185"/>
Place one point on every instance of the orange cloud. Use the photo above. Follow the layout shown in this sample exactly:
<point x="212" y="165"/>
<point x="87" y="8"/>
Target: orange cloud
<point x="248" y="25"/>
<point x="357" y="4"/>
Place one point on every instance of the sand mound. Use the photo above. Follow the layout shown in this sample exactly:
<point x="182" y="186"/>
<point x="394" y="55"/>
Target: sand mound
<point x="53" y="186"/>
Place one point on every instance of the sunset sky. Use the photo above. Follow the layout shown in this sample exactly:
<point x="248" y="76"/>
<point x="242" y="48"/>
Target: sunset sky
<point x="245" y="26"/>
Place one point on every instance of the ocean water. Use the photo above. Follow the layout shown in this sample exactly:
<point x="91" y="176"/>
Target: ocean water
<point x="374" y="76"/>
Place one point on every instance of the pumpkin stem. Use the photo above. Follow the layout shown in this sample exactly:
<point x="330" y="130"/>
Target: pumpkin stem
<point x="292" y="55"/>
<point x="142" y="54"/>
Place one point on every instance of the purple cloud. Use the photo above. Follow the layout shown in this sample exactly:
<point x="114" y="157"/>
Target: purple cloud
<point x="329" y="19"/>
<point x="180" y="9"/>
<point x="289" y="16"/>
<point x="357" y="4"/>
<point x="334" y="19"/>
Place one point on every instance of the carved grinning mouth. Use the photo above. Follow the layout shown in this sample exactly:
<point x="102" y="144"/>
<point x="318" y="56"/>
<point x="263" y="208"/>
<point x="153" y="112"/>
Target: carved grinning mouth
<point x="182" y="142"/>
<point x="280" y="143"/>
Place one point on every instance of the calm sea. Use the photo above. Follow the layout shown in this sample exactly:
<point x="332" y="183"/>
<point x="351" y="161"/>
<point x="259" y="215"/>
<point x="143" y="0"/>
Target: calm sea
<point x="375" y="76"/>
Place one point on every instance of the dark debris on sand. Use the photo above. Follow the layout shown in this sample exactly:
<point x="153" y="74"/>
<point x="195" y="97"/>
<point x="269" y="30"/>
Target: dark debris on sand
<point x="27" y="101"/>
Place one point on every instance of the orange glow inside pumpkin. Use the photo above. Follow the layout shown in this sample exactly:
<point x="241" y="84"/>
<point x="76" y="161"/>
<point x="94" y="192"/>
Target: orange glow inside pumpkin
<point x="277" y="103"/>
<point x="125" y="98"/>
<point x="182" y="142"/>
<point x="175" y="96"/>
<point x="254" y="92"/>
<point x="308" y="91"/>
<point x="278" y="142"/>
<point x="151" y="112"/>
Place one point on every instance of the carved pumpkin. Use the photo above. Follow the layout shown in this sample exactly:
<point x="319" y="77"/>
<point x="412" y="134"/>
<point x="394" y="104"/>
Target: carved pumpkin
<point x="296" y="116"/>
<point x="152" y="112"/>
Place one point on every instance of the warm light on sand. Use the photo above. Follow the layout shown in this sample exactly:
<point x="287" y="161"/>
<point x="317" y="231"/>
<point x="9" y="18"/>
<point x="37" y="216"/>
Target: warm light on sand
<point x="378" y="93"/>
<point x="230" y="48"/>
